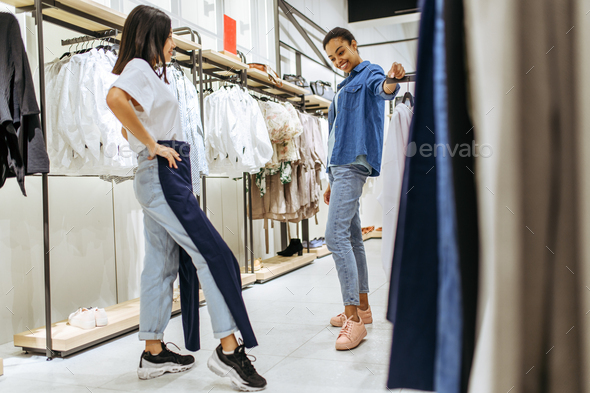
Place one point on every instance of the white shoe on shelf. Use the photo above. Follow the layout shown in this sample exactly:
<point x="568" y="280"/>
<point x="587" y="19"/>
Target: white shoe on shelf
<point x="83" y="318"/>
<point x="100" y="316"/>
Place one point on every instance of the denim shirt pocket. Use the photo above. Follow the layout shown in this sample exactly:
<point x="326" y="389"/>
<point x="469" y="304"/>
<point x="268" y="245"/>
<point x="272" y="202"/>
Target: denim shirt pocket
<point x="350" y="97"/>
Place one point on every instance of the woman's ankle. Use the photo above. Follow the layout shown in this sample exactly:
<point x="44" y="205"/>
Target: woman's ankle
<point x="364" y="301"/>
<point x="351" y="311"/>
<point x="229" y="343"/>
<point x="153" y="346"/>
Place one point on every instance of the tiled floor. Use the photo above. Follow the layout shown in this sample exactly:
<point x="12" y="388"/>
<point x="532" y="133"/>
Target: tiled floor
<point x="290" y="316"/>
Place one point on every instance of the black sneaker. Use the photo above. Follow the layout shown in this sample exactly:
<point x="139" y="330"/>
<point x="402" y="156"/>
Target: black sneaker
<point x="152" y="366"/>
<point x="238" y="368"/>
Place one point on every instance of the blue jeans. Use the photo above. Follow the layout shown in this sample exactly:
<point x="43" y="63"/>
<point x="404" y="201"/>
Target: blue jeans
<point x="163" y="235"/>
<point x="344" y="236"/>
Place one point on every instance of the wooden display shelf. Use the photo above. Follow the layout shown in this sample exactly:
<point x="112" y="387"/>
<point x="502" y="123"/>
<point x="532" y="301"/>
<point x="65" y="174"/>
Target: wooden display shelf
<point x="320" y="251"/>
<point x="314" y="103"/>
<point x="377" y="235"/>
<point x="110" y="17"/>
<point x="255" y="76"/>
<point x="248" y="279"/>
<point x="123" y="318"/>
<point x="373" y="235"/>
<point x="278" y="265"/>
<point x="218" y="58"/>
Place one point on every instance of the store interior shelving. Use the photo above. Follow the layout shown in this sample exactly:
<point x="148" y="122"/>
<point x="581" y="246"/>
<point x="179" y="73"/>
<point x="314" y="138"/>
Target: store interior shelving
<point x="93" y="19"/>
<point x="66" y="339"/>
<point x="315" y="103"/>
<point x="89" y="15"/>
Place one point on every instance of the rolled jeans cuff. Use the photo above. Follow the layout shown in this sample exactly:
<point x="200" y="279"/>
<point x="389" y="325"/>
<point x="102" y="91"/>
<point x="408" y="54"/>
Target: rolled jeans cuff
<point x="221" y="335"/>
<point x="144" y="336"/>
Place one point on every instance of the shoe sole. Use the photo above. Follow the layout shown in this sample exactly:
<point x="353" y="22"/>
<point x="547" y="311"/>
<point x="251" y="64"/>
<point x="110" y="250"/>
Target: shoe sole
<point x="101" y="322"/>
<point x="353" y="345"/>
<point x="154" y="372"/>
<point x="221" y="369"/>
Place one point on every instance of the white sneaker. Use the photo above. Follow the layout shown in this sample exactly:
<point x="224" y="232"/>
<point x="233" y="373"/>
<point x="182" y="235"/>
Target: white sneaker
<point x="83" y="318"/>
<point x="100" y="316"/>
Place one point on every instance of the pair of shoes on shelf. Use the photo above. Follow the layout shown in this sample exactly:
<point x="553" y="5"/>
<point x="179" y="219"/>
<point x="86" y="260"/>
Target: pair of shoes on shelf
<point x="237" y="366"/>
<point x="352" y="333"/>
<point x="315" y="243"/>
<point x="257" y="266"/>
<point x="295" y="247"/>
<point x="367" y="230"/>
<point x="88" y="318"/>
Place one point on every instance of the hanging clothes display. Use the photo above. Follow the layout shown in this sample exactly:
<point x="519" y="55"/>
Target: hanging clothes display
<point x="84" y="136"/>
<point x="22" y="146"/>
<point x="531" y="124"/>
<point x="236" y="138"/>
<point x="392" y="172"/>
<point x="297" y="197"/>
<point x="283" y="127"/>
<point x="188" y="100"/>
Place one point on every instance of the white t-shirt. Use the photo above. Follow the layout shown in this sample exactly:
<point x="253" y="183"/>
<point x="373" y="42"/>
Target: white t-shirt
<point x="158" y="110"/>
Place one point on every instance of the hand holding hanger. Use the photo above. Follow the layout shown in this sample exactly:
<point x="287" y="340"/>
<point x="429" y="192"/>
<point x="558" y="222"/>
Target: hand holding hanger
<point x="397" y="71"/>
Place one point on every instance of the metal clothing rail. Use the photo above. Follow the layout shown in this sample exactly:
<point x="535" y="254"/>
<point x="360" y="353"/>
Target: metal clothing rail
<point x="88" y="38"/>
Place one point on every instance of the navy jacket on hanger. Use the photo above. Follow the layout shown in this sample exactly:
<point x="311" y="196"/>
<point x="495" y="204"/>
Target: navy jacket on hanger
<point x="414" y="276"/>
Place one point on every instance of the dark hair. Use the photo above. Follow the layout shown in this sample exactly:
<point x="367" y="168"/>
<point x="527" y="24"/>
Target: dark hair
<point x="339" y="32"/>
<point x="144" y="35"/>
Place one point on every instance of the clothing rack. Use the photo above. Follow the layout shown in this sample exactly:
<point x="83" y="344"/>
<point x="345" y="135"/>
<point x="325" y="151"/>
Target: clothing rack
<point x="87" y="38"/>
<point x="95" y="22"/>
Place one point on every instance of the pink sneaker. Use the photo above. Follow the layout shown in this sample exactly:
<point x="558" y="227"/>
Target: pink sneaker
<point x="351" y="335"/>
<point x="366" y="316"/>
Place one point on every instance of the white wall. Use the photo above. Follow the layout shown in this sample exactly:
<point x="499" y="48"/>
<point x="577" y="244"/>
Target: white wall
<point x="96" y="228"/>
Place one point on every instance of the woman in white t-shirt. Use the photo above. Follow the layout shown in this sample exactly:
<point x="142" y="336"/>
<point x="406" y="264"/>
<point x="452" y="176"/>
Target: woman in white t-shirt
<point x="149" y="113"/>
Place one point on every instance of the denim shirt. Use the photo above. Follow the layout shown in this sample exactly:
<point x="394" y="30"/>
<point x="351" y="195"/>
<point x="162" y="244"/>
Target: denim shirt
<point x="360" y="117"/>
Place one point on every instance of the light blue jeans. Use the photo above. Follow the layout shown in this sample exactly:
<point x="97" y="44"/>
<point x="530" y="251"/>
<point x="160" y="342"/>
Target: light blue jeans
<point x="344" y="236"/>
<point x="163" y="234"/>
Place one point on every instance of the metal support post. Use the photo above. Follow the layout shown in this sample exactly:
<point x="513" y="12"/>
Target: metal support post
<point x="284" y="242"/>
<point x="244" y="180"/>
<point x="305" y="232"/>
<point x="45" y="184"/>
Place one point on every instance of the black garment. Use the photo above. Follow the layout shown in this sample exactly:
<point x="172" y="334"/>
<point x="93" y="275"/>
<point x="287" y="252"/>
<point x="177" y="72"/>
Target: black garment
<point x="22" y="146"/>
<point x="461" y="132"/>
<point x="414" y="275"/>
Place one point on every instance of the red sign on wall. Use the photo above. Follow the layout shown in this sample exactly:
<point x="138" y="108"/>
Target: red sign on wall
<point x="229" y="34"/>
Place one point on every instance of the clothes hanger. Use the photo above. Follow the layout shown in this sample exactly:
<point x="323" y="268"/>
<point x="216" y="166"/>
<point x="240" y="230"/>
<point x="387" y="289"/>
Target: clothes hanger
<point x="408" y="96"/>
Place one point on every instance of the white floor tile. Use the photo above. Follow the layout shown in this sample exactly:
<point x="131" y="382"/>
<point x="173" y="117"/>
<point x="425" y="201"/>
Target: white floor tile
<point x="296" y="353"/>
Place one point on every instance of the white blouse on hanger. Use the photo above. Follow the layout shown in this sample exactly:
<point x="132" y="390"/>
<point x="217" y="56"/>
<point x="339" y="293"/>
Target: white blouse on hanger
<point x="236" y="139"/>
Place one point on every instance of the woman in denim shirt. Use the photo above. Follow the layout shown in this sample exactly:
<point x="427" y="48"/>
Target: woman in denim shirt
<point x="355" y="145"/>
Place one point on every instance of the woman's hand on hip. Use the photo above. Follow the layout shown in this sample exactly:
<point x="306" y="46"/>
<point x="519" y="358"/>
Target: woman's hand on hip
<point x="167" y="152"/>
<point x="397" y="71"/>
<point x="327" y="196"/>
